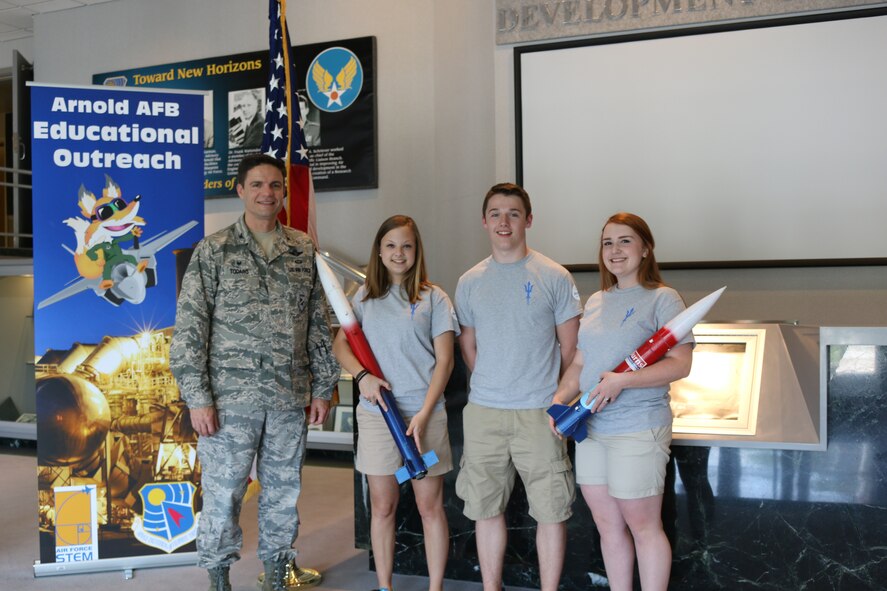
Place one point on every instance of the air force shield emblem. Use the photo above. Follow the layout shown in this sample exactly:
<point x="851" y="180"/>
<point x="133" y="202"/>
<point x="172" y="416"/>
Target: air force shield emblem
<point x="168" y="521"/>
<point x="334" y="79"/>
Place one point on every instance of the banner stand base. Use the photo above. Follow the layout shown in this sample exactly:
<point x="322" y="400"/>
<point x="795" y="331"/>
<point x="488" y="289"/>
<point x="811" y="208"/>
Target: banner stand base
<point x="126" y="564"/>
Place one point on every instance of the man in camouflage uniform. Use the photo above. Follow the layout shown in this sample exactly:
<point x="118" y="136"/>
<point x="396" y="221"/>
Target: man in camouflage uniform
<point x="251" y="350"/>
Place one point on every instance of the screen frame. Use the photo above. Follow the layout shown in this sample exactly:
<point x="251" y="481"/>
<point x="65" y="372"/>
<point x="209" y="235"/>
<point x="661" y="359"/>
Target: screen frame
<point x="520" y="51"/>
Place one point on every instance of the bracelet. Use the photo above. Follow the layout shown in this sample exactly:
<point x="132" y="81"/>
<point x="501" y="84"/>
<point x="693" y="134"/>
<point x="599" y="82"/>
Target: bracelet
<point x="360" y="375"/>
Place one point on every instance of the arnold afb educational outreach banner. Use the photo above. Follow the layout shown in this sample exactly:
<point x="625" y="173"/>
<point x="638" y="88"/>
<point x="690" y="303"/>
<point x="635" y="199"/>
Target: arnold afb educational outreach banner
<point x="118" y="187"/>
<point x="337" y="99"/>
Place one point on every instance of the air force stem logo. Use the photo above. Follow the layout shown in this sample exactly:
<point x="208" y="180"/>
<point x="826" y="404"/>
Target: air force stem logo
<point x="335" y="78"/>
<point x="167" y="521"/>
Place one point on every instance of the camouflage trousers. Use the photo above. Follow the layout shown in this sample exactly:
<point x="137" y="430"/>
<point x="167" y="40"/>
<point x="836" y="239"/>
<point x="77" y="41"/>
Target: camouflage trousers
<point x="277" y="440"/>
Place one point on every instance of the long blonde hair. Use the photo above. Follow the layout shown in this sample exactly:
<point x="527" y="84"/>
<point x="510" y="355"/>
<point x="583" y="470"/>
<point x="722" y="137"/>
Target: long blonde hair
<point x="415" y="280"/>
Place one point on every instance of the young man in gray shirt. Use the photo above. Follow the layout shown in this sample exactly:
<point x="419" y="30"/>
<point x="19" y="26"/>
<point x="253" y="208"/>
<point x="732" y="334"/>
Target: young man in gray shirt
<point x="519" y="313"/>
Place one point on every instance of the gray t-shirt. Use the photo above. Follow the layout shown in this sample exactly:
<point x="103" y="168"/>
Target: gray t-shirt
<point x="401" y="336"/>
<point x="615" y="323"/>
<point x="514" y="310"/>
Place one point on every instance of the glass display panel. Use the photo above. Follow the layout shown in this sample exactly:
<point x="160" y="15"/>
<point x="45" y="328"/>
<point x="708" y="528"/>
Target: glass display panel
<point x="720" y="396"/>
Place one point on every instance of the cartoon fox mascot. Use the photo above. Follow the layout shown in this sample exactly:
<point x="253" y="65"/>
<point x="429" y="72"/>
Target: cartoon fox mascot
<point x="109" y="222"/>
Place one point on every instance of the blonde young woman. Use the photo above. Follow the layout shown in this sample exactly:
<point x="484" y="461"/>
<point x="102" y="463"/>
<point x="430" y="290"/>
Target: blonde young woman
<point x="410" y="326"/>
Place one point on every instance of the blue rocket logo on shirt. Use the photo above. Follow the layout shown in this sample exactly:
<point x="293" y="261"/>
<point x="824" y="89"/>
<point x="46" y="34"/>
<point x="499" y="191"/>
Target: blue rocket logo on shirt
<point x="528" y="288"/>
<point x="413" y="310"/>
<point x="628" y="314"/>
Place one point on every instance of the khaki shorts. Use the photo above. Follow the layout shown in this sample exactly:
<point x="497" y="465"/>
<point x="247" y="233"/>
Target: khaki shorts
<point x="632" y="465"/>
<point x="377" y="454"/>
<point x="501" y="443"/>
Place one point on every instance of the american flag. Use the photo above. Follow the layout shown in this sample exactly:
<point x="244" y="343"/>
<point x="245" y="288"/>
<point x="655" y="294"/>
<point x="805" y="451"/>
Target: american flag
<point x="283" y="138"/>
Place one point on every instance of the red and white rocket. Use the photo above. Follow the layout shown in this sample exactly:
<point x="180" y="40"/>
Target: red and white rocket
<point x="570" y="420"/>
<point x="415" y="465"/>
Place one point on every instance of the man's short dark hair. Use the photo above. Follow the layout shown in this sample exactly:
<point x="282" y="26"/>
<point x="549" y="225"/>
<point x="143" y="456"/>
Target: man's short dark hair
<point x="511" y="190"/>
<point x="250" y="161"/>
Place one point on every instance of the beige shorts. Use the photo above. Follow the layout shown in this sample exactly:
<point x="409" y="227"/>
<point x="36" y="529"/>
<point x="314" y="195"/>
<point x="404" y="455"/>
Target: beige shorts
<point x="632" y="465"/>
<point x="377" y="454"/>
<point x="501" y="443"/>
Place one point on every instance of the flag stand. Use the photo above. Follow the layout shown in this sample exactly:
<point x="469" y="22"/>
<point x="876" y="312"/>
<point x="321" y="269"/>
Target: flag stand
<point x="298" y="577"/>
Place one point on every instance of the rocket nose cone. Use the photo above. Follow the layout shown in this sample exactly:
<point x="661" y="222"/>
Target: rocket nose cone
<point x="681" y="324"/>
<point x="713" y="297"/>
<point x="706" y="303"/>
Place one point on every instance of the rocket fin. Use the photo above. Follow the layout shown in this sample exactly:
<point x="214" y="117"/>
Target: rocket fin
<point x="402" y="475"/>
<point x="556" y="410"/>
<point x="580" y="432"/>
<point x="566" y="425"/>
<point x="430" y="458"/>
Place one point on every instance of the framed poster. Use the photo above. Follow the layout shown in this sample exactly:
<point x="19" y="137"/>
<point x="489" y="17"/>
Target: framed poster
<point x="337" y="103"/>
<point x="344" y="419"/>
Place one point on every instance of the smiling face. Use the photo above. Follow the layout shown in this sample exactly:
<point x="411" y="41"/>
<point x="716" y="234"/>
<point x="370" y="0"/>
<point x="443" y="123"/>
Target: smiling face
<point x="116" y="216"/>
<point x="622" y="251"/>
<point x="506" y="222"/>
<point x="262" y="194"/>
<point x="397" y="249"/>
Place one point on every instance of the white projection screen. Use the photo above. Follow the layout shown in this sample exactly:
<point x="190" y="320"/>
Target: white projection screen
<point x="746" y="147"/>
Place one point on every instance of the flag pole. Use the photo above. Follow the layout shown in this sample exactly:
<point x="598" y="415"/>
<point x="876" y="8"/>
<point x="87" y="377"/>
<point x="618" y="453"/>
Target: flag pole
<point x="285" y="41"/>
<point x="279" y="113"/>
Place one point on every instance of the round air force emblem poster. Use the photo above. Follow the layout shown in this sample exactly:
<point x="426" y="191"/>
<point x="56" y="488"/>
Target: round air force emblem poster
<point x="334" y="79"/>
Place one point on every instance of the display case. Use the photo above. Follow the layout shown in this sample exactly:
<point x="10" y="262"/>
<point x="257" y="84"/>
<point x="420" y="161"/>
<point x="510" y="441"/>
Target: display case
<point x="721" y="394"/>
<point x="753" y="384"/>
<point x="337" y="432"/>
<point x="17" y="398"/>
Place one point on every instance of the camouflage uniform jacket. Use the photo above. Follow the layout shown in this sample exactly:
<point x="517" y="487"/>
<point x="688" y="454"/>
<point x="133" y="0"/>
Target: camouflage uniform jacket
<point x="252" y="331"/>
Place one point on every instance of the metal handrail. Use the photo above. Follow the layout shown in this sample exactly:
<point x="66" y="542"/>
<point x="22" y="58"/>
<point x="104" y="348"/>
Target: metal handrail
<point x="15" y="195"/>
<point x="344" y="268"/>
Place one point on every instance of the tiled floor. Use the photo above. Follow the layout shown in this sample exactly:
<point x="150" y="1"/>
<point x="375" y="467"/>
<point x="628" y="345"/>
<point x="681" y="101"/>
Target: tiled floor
<point x="326" y="539"/>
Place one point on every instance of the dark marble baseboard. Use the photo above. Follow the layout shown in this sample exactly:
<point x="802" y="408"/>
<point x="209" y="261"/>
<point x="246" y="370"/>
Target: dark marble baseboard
<point x="738" y="518"/>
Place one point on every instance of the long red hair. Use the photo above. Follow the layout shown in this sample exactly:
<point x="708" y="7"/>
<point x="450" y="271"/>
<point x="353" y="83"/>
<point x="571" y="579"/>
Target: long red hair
<point x="648" y="272"/>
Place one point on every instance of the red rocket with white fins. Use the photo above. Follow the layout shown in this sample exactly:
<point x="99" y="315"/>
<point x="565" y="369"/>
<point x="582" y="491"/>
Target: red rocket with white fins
<point x="415" y="465"/>
<point x="570" y="420"/>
